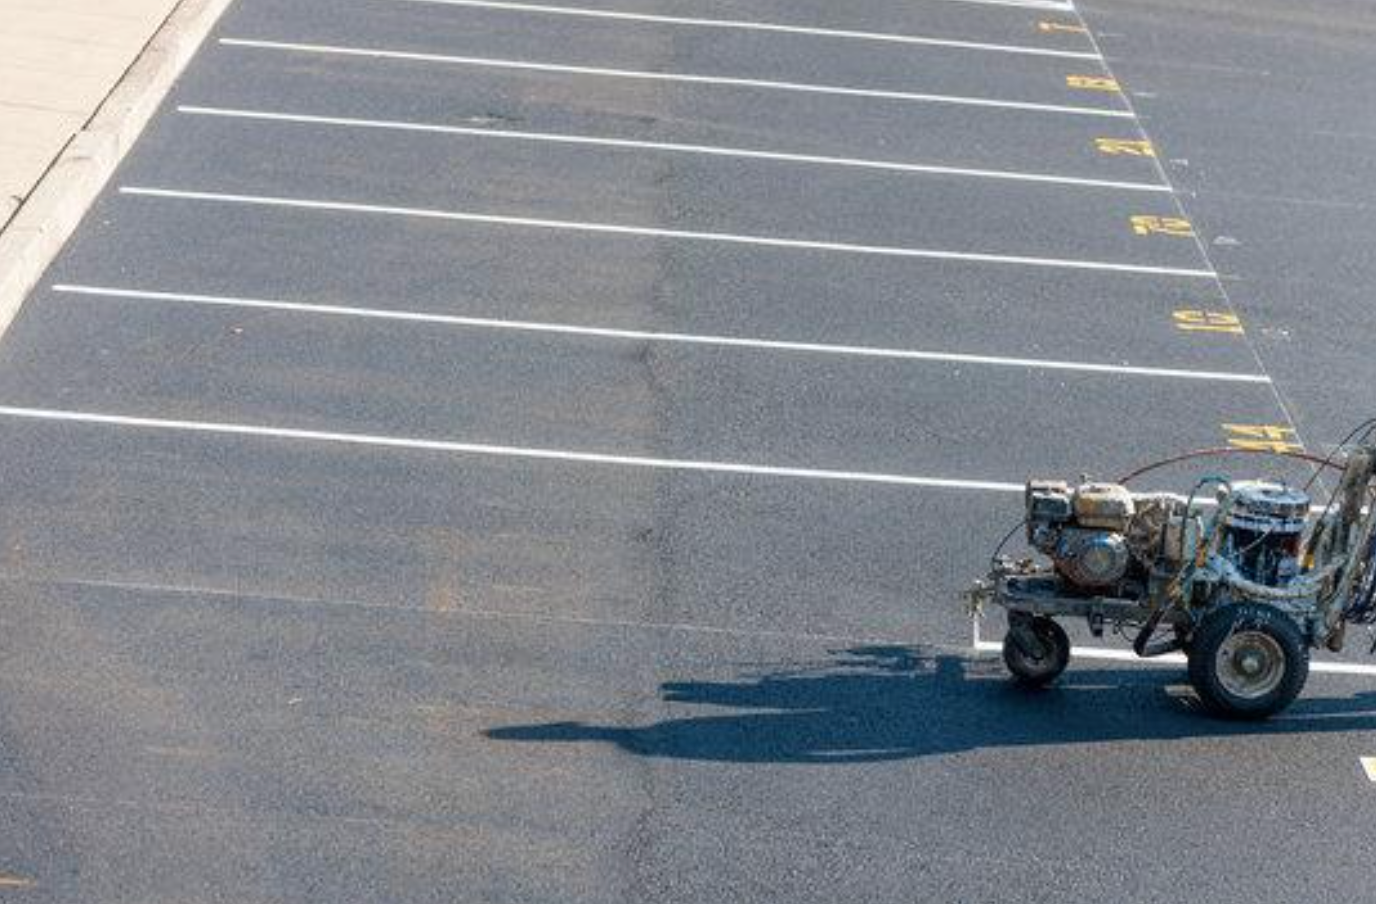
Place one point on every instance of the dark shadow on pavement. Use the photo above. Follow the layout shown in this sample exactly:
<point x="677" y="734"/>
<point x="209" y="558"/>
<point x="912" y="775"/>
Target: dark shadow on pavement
<point x="887" y="703"/>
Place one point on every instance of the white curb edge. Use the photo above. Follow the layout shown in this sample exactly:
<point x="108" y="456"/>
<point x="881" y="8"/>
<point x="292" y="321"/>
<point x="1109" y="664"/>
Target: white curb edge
<point x="50" y="214"/>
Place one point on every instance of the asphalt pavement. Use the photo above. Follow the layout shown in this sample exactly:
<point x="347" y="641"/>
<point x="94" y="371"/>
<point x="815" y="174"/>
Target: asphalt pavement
<point x="478" y="451"/>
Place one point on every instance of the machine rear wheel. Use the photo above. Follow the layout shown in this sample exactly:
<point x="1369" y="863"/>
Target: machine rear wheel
<point x="1248" y="661"/>
<point x="1037" y="660"/>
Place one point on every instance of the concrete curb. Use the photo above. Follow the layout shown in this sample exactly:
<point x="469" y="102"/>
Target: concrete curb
<point x="55" y="207"/>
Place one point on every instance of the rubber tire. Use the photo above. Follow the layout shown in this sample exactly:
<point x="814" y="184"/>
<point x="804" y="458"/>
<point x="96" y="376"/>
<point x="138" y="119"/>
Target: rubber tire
<point x="1215" y="629"/>
<point x="1030" y="672"/>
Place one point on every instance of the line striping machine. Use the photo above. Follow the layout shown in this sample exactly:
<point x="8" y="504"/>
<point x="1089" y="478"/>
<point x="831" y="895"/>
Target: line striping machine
<point x="1243" y="576"/>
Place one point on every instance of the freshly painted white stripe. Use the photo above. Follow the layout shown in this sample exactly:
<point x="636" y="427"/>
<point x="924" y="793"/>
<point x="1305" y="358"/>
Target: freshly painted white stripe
<point x="494" y="451"/>
<point x="1369" y="767"/>
<point x="1342" y="668"/>
<point x="490" y="63"/>
<point x="651" y="232"/>
<point x="746" y="25"/>
<point x="990" y="646"/>
<point x="709" y="150"/>
<point x="862" y="351"/>
<point x="1178" y="659"/>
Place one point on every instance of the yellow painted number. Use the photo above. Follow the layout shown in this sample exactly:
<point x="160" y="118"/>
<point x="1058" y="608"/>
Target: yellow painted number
<point x="1262" y="438"/>
<point x="1053" y="27"/>
<point x="1125" y="147"/>
<point x="1091" y="82"/>
<point x="1207" y="322"/>
<point x="1147" y="225"/>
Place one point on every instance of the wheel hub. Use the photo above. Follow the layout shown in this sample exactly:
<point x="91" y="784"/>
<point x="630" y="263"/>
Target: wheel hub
<point x="1250" y="664"/>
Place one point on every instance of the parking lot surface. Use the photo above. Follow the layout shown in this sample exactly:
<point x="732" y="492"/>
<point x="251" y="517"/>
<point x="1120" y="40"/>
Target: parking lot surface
<point x="486" y="451"/>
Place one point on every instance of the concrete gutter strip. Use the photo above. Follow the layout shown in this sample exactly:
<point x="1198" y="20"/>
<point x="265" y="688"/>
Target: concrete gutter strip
<point x="52" y="211"/>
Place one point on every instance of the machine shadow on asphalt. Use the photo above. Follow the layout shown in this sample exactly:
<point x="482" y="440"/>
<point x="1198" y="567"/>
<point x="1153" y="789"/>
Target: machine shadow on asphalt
<point x="878" y="703"/>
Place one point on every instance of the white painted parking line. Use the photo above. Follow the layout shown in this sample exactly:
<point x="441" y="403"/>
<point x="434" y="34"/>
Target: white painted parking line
<point x="651" y="232"/>
<point x="495" y="451"/>
<point x="1178" y="659"/>
<point x="747" y="25"/>
<point x="524" y="65"/>
<point x="239" y="595"/>
<point x="667" y="147"/>
<point x="860" y="351"/>
<point x="1369" y="767"/>
<point x="1050" y="5"/>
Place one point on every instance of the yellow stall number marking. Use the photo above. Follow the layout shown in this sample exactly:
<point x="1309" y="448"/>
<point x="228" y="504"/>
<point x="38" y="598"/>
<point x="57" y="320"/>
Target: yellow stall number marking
<point x="1054" y="27"/>
<point x="1125" y="147"/>
<point x="1262" y="438"/>
<point x="1173" y="226"/>
<point x="1207" y="322"/>
<point x="1091" y="82"/>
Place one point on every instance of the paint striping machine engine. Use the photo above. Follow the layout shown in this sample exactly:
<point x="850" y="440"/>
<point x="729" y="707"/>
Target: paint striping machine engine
<point x="1244" y="577"/>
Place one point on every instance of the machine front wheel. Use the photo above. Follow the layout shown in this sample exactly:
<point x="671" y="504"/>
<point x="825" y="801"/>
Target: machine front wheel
<point x="1038" y="654"/>
<point x="1248" y="661"/>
